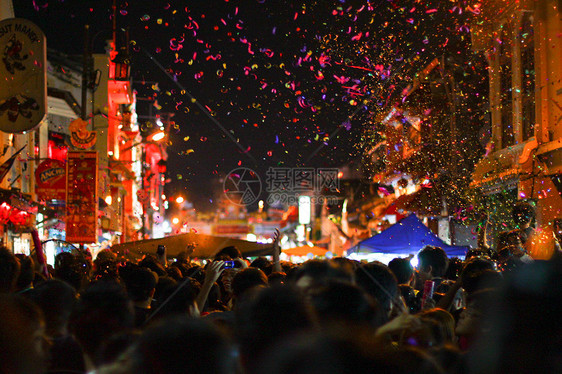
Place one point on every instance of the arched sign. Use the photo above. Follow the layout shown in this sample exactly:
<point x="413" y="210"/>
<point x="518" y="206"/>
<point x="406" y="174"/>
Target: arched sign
<point x="23" y="60"/>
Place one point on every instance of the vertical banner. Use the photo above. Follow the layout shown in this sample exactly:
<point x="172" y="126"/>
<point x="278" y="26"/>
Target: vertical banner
<point x="82" y="197"/>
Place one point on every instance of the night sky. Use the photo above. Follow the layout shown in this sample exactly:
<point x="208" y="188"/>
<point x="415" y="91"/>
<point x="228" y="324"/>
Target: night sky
<point x="276" y="82"/>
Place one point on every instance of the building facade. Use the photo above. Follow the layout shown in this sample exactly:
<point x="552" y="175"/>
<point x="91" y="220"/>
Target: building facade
<point x="521" y="40"/>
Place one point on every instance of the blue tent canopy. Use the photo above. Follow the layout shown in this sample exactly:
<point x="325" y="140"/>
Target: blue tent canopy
<point x="407" y="236"/>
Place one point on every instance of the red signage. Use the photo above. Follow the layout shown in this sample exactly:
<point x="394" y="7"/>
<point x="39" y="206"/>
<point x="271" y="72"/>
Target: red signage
<point x="231" y="229"/>
<point x="50" y="180"/>
<point x="82" y="197"/>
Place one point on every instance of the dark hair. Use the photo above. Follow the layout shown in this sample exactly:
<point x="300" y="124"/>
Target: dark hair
<point x="345" y="352"/>
<point x="102" y="310"/>
<point x="176" y="298"/>
<point x="105" y="268"/>
<point x="525" y="316"/>
<point x="477" y="272"/>
<point x="9" y="270"/>
<point x="174" y="272"/>
<point x="507" y="239"/>
<point x="231" y="251"/>
<point x="276" y="278"/>
<point x="20" y="318"/>
<point x="339" y="301"/>
<point x="56" y="299"/>
<point x="263" y="264"/>
<point x="27" y="271"/>
<point x="402" y="269"/>
<point x="450" y="358"/>
<point x="320" y="271"/>
<point x="413" y="301"/>
<point x="69" y="269"/>
<point x="139" y="281"/>
<point x="183" y="267"/>
<point x="445" y="320"/>
<point x="262" y="320"/>
<point x="379" y="282"/>
<point x="150" y="261"/>
<point x="435" y="257"/>
<point x="180" y="345"/>
<point x="246" y="279"/>
<point x="455" y="267"/>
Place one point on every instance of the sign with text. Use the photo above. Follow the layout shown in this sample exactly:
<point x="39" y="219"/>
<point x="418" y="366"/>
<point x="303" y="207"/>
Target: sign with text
<point x="80" y="137"/>
<point x="82" y="197"/>
<point x="50" y="180"/>
<point x="23" y="92"/>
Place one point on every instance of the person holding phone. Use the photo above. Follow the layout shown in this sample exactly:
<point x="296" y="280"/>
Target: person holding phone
<point x="161" y="255"/>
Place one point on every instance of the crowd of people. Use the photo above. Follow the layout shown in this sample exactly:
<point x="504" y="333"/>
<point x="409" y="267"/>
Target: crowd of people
<point x="492" y="312"/>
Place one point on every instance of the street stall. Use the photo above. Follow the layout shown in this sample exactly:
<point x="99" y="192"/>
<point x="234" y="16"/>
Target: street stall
<point x="402" y="239"/>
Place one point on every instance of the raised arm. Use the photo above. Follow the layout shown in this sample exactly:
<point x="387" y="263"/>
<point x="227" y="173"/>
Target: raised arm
<point x="212" y="273"/>
<point x="276" y="252"/>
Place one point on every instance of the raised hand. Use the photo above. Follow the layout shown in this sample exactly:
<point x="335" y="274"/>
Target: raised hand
<point x="213" y="271"/>
<point x="276" y="251"/>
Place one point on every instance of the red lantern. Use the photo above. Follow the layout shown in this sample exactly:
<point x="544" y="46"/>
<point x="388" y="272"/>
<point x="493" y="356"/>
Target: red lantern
<point x="5" y="210"/>
<point x="19" y="218"/>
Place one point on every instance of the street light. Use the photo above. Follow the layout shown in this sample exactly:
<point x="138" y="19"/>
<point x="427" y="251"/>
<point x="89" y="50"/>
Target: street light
<point x="180" y="199"/>
<point x="158" y="136"/>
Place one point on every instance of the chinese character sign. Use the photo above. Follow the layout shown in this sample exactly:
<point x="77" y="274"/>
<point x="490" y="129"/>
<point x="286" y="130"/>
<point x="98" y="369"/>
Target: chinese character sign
<point x="82" y="197"/>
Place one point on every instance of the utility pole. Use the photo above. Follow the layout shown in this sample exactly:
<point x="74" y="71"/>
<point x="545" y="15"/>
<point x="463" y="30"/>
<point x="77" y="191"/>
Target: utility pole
<point x="85" y="71"/>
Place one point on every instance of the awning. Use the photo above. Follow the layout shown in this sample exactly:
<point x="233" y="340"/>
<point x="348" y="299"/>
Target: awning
<point x="18" y="200"/>
<point x="305" y="250"/>
<point x="120" y="167"/>
<point x="406" y="237"/>
<point x="198" y="245"/>
<point x="499" y="170"/>
<point x="62" y="103"/>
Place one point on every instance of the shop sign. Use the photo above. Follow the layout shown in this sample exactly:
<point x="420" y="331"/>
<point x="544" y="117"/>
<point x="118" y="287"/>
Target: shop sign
<point x="50" y="180"/>
<point x="82" y="197"/>
<point x="23" y="92"/>
<point x="80" y="136"/>
<point x="231" y="229"/>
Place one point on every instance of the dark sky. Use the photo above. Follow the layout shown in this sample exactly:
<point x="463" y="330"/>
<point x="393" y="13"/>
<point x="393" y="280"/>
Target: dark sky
<point x="293" y="83"/>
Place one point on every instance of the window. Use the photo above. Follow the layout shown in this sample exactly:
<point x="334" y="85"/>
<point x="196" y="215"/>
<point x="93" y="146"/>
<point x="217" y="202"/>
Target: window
<point x="506" y="86"/>
<point x="526" y="38"/>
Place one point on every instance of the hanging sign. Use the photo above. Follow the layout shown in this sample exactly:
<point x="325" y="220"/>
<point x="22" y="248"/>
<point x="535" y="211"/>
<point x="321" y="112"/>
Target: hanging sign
<point x="82" y="197"/>
<point x="23" y="60"/>
<point x="50" y="180"/>
<point x="80" y="136"/>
